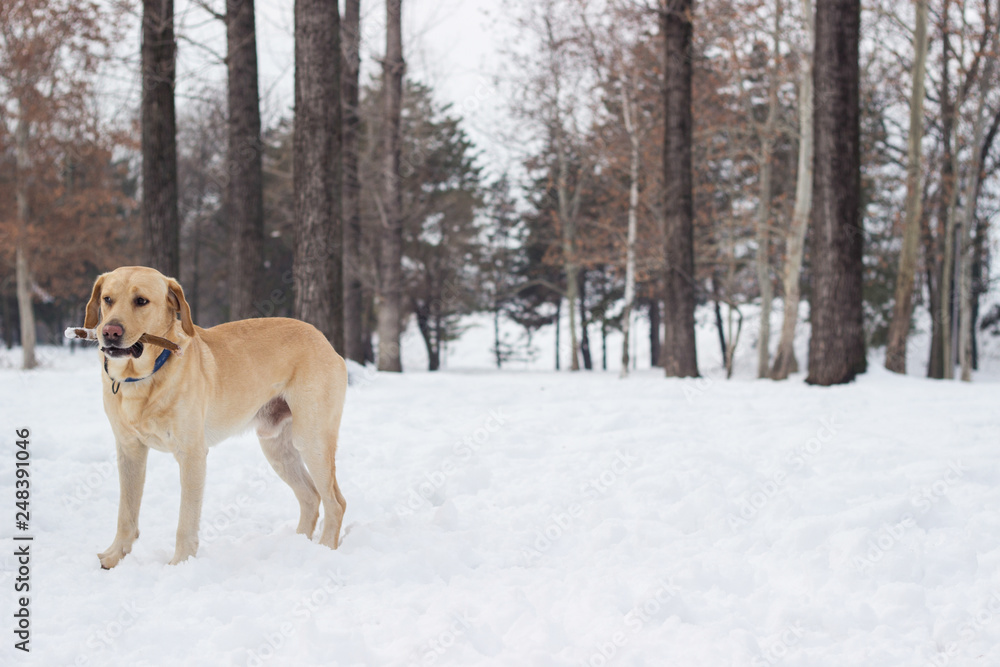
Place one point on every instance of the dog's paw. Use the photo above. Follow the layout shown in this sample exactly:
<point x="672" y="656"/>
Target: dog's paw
<point x="184" y="551"/>
<point x="112" y="556"/>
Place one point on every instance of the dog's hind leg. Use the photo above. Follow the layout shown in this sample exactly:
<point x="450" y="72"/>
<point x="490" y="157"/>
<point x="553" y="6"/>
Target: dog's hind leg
<point x="276" y="441"/>
<point x="318" y="452"/>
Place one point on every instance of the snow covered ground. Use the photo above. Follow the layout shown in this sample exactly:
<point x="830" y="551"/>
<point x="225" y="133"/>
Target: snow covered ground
<point x="534" y="518"/>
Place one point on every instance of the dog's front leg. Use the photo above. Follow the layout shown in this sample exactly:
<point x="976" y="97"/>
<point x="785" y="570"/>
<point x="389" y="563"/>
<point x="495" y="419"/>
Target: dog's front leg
<point x="131" y="479"/>
<point x="192" y="462"/>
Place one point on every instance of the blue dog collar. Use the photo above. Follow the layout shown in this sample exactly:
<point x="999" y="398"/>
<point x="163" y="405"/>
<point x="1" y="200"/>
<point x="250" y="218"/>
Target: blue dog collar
<point x="115" y="384"/>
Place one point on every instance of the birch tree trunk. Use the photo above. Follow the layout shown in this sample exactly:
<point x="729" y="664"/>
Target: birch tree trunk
<point x="899" y="328"/>
<point x="244" y="192"/>
<point x="785" y="362"/>
<point x="391" y="273"/>
<point x="25" y="308"/>
<point x="633" y="205"/>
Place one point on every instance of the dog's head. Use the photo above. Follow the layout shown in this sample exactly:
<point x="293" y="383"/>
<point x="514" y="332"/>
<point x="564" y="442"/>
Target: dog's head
<point x="131" y="301"/>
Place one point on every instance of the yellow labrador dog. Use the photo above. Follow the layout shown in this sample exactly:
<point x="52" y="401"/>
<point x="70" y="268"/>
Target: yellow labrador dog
<point x="278" y="375"/>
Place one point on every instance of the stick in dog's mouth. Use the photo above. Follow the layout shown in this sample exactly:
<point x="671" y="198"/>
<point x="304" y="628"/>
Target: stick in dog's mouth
<point x="134" y="351"/>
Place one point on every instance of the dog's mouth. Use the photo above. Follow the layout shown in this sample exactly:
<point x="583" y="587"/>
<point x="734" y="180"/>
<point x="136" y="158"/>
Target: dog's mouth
<point x="121" y="352"/>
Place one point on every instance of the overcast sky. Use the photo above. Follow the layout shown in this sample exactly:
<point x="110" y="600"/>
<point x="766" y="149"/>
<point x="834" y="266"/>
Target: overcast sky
<point x="452" y="45"/>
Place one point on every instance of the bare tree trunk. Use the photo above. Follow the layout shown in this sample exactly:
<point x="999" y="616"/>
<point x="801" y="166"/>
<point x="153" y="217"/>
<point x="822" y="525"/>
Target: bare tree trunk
<point x="426" y="323"/>
<point x="8" y="319"/>
<point x="633" y="205"/>
<point x="588" y="362"/>
<point x="604" y="344"/>
<point x="391" y="279"/>
<point x="837" y="344"/>
<point x="567" y="221"/>
<point x="972" y="188"/>
<point x="947" y="191"/>
<point x="935" y="362"/>
<point x="439" y="343"/>
<point x="316" y="164"/>
<point x="353" y="309"/>
<point x="194" y="284"/>
<point x="680" y="356"/>
<point x="654" y="332"/>
<point x="719" y="327"/>
<point x="244" y="194"/>
<point x="558" y="329"/>
<point x="785" y="362"/>
<point x="717" y="309"/>
<point x="979" y="286"/>
<point x="369" y="320"/>
<point x="25" y="308"/>
<point x="965" y="282"/>
<point x="160" y="223"/>
<point x="899" y="328"/>
<point x="762" y="262"/>
<point x="194" y="298"/>
<point x="734" y="337"/>
<point x="496" y="335"/>
<point x="947" y="269"/>
<point x="762" y="258"/>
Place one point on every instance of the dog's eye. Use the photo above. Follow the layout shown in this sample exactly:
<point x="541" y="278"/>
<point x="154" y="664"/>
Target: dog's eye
<point x="139" y="301"/>
<point x="107" y="300"/>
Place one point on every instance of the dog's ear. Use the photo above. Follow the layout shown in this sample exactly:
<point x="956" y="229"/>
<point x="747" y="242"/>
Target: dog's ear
<point x="175" y="295"/>
<point x="93" y="313"/>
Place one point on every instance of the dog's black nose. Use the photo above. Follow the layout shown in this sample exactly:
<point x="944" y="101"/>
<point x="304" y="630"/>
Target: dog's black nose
<point x="113" y="333"/>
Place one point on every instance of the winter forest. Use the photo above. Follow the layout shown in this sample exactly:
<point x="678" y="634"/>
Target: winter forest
<point x="664" y="160"/>
<point x="672" y="329"/>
